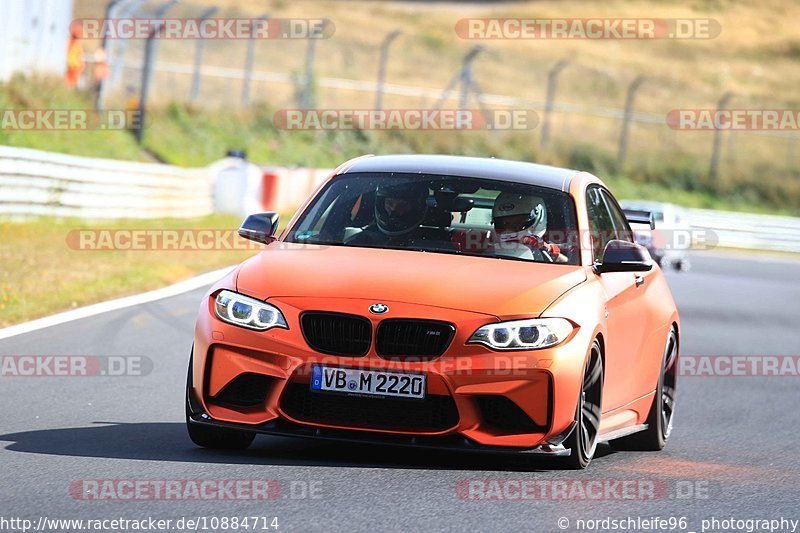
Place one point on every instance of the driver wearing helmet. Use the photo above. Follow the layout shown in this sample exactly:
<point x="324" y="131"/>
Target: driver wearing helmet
<point x="520" y="222"/>
<point x="399" y="210"/>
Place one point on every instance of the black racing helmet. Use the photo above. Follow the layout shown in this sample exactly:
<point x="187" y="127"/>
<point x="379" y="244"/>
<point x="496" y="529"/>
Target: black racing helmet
<point x="401" y="221"/>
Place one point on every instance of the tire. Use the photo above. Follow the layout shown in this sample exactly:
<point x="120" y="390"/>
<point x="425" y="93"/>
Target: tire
<point x="583" y="440"/>
<point x="659" y="420"/>
<point x="211" y="436"/>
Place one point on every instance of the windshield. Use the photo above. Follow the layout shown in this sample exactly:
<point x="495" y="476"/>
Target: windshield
<point x="442" y="214"/>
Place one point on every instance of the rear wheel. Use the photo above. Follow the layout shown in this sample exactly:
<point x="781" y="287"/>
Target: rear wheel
<point x="211" y="436"/>
<point x="659" y="421"/>
<point x="583" y="440"/>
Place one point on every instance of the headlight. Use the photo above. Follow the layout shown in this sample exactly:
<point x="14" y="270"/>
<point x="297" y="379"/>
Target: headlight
<point x="529" y="334"/>
<point x="248" y="312"/>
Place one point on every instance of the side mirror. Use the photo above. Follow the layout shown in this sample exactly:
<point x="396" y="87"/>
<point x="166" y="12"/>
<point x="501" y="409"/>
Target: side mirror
<point x="260" y="227"/>
<point x="624" y="256"/>
<point x="636" y="216"/>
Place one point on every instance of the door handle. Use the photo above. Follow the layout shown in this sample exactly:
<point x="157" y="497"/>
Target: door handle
<point x="639" y="280"/>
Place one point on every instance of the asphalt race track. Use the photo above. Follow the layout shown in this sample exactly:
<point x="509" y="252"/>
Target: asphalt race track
<point x="733" y="453"/>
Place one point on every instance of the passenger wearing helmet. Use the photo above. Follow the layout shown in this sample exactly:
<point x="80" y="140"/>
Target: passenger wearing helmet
<point x="520" y="222"/>
<point x="399" y="210"/>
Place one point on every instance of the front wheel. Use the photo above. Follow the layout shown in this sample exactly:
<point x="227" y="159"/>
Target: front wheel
<point x="659" y="421"/>
<point x="583" y="440"/>
<point x="211" y="436"/>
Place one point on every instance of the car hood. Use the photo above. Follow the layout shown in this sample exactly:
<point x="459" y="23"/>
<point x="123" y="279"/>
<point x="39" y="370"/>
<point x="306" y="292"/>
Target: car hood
<point x="500" y="287"/>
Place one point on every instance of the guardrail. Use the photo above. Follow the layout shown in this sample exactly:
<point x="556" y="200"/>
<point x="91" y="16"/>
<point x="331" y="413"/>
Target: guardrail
<point x="35" y="183"/>
<point x="749" y="231"/>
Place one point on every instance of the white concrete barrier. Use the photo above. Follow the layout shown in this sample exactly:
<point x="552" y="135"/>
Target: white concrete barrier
<point x="35" y="183"/>
<point x="749" y="231"/>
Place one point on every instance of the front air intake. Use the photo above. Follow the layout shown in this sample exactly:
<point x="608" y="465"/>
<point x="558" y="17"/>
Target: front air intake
<point x="504" y="415"/>
<point x="436" y="412"/>
<point x="245" y="391"/>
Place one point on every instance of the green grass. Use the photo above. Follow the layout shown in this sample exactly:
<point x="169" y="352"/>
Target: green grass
<point x="626" y="188"/>
<point x="50" y="93"/>
<point x="193" y="137"/>
<point x="755" y="57"/>
<point x="196" y="137"/>
<point x="42" y="274"/>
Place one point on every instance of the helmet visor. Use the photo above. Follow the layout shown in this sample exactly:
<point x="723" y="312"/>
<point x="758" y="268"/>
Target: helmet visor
<point x="399" y="210"/>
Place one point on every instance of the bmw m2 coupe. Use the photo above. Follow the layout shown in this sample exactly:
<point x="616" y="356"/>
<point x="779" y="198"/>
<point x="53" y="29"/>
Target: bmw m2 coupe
<point x="438" y="301"/>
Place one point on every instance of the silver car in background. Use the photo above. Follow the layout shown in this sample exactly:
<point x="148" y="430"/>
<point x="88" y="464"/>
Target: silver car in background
<point x="669" y="242"/>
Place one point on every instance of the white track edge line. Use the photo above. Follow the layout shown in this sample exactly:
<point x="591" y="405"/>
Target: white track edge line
<point x="112" y="305"/>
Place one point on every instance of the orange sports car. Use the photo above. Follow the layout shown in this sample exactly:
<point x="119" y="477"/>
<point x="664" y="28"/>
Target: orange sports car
<point x="440" y="301"/>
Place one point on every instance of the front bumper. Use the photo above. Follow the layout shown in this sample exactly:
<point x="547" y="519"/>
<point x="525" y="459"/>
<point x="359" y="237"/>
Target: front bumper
<point x="285" y="428"/>
<point x="476" y="399"/>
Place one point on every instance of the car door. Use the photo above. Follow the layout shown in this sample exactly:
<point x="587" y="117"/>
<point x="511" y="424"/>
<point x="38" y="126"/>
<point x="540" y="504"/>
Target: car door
<point x="625" y="327"/>
<point x="647" y="301"/>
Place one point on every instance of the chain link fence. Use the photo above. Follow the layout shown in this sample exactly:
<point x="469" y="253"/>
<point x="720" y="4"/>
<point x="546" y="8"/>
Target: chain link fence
<point x="234" y="75"/>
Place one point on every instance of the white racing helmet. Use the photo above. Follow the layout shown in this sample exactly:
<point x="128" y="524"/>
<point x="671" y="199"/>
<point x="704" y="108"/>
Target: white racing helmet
<point x="514" y="204"/>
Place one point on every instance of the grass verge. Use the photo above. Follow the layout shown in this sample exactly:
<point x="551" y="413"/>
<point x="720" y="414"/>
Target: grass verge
<point x="42" y="274"/>
<point x="189" y="136"/>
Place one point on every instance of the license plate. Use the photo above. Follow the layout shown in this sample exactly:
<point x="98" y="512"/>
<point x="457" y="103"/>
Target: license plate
<point x="368" y="382"/>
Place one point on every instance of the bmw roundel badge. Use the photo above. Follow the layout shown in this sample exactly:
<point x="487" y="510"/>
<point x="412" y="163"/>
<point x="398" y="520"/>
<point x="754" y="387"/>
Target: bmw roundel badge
<point x="378" y="309"/>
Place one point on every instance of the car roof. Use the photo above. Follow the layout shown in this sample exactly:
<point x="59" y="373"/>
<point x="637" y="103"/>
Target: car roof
<point x="462" y="166"/>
